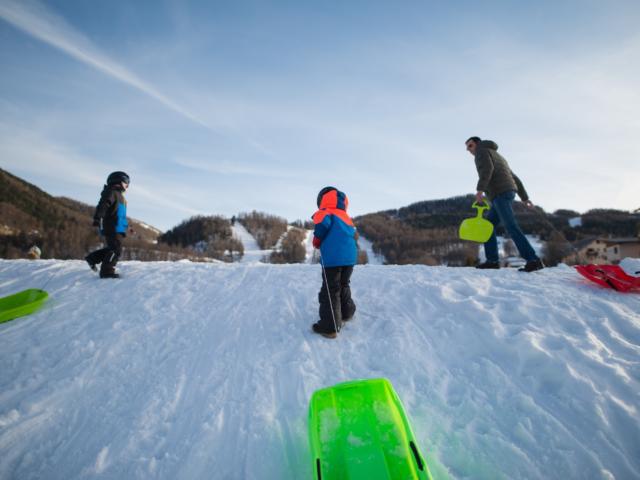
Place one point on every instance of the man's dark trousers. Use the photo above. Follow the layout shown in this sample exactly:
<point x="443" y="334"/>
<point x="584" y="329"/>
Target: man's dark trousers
<point x="502" y="212"/>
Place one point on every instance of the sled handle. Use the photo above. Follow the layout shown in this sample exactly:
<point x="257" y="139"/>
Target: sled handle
<point x="480" y="208"/>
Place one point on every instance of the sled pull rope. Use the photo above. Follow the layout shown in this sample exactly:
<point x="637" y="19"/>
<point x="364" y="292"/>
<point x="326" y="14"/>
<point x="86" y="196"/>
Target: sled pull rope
<point x="51" y="275"/>
<point x="326" y="282"/>
<point x="571" y="246"/>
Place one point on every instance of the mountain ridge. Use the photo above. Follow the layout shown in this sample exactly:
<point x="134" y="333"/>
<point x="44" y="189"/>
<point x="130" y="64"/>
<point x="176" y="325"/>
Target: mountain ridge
<point x="421" y="232"/>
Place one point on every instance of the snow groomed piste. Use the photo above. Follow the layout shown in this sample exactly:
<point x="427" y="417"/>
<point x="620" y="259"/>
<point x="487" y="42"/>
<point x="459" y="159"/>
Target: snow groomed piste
<point x="21" y="303"/>
<point x="358" y="431"/>
<point x="143" y="378"/>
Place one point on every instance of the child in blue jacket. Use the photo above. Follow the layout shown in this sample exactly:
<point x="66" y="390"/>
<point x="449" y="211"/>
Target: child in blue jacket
<point x="111" y="218"/>
<point x="335" y="235"/>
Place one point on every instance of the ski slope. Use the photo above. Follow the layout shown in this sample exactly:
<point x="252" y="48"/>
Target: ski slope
<point x="372" y="257"/>
<point x="252" y="251"/>
<point x="205" y="371"/>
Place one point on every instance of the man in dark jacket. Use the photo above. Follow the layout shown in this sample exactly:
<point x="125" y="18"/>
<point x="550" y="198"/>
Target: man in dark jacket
<point x="500" y="185"/>
<point x="111" y="219"/>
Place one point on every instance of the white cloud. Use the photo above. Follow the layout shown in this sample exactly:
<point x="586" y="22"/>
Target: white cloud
<point x="226" y="167"/>
<point x="28" y="153"/>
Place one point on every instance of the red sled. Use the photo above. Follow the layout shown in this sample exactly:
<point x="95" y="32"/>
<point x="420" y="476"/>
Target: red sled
<point x="611" y="276"/>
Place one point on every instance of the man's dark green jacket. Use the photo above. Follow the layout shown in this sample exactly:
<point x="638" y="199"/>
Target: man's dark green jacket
<point x="495" y="175"/>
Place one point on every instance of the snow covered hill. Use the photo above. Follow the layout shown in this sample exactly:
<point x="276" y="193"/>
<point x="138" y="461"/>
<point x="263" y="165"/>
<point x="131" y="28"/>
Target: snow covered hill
<point x="372" y="257"/>
<point x="252" y="251"/>
<point x="204" y="371"/>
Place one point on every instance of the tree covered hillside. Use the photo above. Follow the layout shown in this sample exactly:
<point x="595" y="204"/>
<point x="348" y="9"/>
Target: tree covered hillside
<point x="424" y="232"/>
<point x="210" y="236"/>
<point x="62" y="227"/>
<point x="266" y="229"/>
<point x="427" y="232"/>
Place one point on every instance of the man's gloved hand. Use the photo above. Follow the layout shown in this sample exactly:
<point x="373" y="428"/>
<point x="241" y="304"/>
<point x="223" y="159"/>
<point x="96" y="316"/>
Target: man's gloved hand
<point x="316" y="242"/>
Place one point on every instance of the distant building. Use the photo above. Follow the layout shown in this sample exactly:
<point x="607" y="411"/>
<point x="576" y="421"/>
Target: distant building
<point x="587" y="250"/>
<point x="621" y="248"/>
<point x="603" y="250"/>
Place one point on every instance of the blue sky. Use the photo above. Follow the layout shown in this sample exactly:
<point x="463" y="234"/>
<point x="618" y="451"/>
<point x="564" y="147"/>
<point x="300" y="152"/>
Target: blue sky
<point x="224" y="107"/>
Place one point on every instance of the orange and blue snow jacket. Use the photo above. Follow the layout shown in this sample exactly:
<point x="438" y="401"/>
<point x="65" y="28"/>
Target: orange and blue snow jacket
<point x="335" y="229"/>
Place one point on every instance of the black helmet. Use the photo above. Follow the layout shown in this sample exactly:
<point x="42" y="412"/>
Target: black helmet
<point x="322" y="193"/>
<point x="118" y="177"/>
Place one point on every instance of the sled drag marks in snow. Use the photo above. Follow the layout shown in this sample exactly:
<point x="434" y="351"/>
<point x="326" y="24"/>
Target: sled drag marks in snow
<point x="251" y="419"/>
<point x="193" y="371"/>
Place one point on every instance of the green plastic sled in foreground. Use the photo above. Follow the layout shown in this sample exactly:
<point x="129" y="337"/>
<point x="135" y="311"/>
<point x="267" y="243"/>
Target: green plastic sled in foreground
<point x="476" y="229"/>
<point x="358" y="430"/>
<point x="21" y="304"/>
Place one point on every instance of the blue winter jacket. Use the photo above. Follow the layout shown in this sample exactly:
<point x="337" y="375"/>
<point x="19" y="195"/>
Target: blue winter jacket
<point x="111" y="211"/>
<point x="336" y="231"/>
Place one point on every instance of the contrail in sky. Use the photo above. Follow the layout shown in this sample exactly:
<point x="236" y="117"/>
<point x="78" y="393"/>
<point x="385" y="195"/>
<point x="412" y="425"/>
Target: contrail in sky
<point x="38" y="21"/>
<point x="44" y="25"/>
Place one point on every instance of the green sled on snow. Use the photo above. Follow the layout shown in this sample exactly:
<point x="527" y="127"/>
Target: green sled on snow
<point x="476" y="229"/>
<point x="21" y="303"/>
<point x="358" y="430"/>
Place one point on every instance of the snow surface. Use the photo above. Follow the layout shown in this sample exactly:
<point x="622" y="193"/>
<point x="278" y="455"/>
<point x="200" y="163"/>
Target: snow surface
<point x="631" y="266"/>
<point x="148" y="227"/>
<point x="312" y="255"/>
<point x="367" y="246"/>
<point x="575" y="222"/>
<point x="205" y="371"/>
<point x="252" y="251"/>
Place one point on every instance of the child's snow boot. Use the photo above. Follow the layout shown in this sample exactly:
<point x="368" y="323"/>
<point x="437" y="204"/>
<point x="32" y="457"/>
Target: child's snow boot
<point x="317" y="328"/>
<point x="109" y="275"/>
<point x="92" y="265"/>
